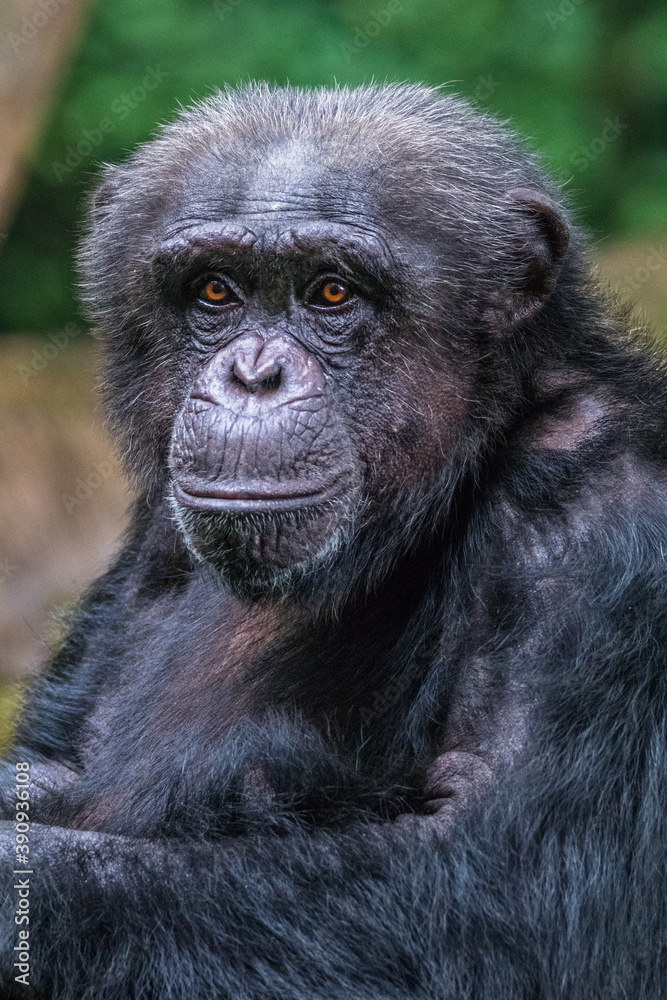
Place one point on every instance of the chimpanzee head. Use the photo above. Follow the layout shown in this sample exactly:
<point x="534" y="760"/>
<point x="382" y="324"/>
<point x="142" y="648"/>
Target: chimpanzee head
<point x="305" y="298"/>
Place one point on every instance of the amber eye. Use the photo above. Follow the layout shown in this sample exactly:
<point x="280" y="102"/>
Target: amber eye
<point x="331" y="292"/>
<point x="216" y="292"/>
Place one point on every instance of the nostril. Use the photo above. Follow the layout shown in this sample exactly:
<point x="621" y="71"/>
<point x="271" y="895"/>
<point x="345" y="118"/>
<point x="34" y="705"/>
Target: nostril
<point x="272" y="382"/>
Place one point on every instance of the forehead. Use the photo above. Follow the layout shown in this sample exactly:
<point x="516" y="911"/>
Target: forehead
<point x="289" y="181"/>
<point x="301" y="198"/>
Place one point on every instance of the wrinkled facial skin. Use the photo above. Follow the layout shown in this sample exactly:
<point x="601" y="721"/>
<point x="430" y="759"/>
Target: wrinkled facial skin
<point x="264" y="473"/>
<point x="300" y="423"/>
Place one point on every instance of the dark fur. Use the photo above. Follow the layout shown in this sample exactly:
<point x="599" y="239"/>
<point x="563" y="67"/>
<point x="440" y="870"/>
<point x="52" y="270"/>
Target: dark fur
<point x="242" y="804"/>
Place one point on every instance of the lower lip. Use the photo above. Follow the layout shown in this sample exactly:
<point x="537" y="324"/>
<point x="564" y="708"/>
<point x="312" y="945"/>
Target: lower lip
<point x="248" y="501"/>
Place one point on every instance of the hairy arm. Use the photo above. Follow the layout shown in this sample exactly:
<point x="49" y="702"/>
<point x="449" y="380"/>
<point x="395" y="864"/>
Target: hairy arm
<point x="375" y="912"/>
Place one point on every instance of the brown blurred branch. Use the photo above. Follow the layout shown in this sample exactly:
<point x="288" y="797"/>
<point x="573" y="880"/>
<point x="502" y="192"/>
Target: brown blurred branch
<point x="36" y="39"/>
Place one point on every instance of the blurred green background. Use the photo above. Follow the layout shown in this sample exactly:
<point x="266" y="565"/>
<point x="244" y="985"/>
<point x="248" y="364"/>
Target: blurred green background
<point x="585" y="81"/>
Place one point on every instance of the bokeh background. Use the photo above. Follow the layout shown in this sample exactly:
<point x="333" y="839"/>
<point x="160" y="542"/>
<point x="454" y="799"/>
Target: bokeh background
<point x="585" y="81"/>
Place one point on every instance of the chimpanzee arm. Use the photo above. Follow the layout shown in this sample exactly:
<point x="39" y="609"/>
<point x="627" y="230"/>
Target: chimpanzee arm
<point x="374" y="913"/>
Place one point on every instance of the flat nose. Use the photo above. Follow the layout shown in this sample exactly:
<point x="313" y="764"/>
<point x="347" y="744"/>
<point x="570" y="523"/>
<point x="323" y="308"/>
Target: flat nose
<point x="260" y="374"/>
<point x="253" y="374"/>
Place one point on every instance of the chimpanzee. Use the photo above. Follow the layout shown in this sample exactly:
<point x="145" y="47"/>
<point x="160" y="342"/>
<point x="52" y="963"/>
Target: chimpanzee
<point x="372" y="705"/>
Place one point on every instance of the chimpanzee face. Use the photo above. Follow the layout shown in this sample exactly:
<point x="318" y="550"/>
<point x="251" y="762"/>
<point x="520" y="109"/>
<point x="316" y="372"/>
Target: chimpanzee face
<point x="305" y="410"/>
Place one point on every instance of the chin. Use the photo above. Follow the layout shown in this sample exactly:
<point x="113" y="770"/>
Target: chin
<point x="271" y="553"/>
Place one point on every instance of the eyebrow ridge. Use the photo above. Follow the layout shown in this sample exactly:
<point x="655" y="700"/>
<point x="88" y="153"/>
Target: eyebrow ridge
<point x="337" y="240"/>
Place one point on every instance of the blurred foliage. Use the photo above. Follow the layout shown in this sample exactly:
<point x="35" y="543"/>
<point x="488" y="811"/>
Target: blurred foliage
<point x="585" y="81"/>
<point x="11" y="696"/>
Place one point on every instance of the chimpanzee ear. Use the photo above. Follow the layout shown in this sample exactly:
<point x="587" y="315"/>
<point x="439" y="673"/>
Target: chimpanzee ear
<point x="537" y="243"/>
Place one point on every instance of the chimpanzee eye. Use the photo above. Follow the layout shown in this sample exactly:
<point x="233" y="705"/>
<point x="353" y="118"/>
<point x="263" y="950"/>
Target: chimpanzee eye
<point x="329" y="292"/>
<point x="216" y="292"/>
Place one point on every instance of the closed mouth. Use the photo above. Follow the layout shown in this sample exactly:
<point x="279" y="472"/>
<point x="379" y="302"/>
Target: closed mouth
<point x="224" y="497"/>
